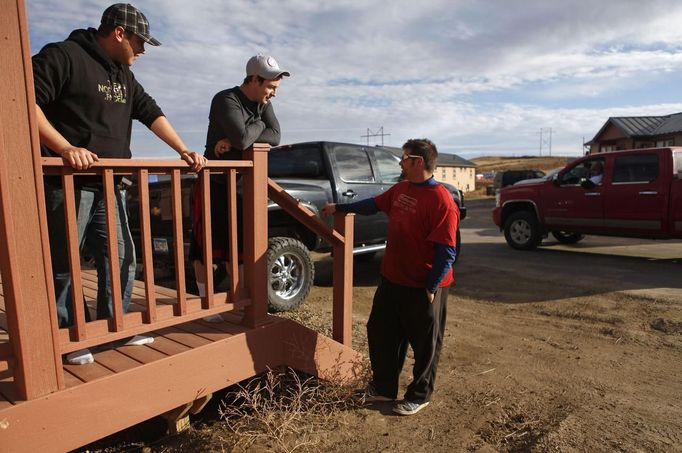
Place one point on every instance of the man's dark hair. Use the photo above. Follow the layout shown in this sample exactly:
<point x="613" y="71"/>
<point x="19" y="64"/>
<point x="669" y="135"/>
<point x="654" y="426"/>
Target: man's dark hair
<point x="260" y="79"/>
<point x="425" y="148"/>
<point x="105" y="30"/>
<point x="248" y="79"/>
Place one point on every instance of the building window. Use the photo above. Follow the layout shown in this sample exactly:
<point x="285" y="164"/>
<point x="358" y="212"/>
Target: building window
<point x="664" y="143"/>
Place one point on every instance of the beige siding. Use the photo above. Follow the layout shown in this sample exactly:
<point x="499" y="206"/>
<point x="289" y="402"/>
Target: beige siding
<point x="464" y="178"/>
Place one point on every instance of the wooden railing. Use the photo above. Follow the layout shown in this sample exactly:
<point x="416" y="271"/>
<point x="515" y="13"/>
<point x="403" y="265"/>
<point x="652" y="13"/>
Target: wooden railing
<point x="181" y="308"/>
<point x="249" y="293"/>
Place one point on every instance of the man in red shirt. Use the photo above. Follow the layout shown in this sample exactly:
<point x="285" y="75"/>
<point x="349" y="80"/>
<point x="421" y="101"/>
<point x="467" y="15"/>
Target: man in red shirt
<point x="409" y="305"/>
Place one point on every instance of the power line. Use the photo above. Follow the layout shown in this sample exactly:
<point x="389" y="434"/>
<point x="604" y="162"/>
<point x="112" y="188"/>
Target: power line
<point x="379" y="133"/>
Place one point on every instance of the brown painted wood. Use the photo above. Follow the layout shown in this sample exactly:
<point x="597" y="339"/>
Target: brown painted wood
<point x="236" y="285"/>
<point x="70" y="217"/>
<point x="301" y="213"/>
<point x="167" y="346"/>
<point x="53" y="165"/>
<point x="70" y="380"/>
<point x="342" y="323"/>
<point x="22" y="229"/>
<point x="146" y="241"/>
<point x="183" y="337"/>
<point x="112" y="245"/>
<point x="143" y="354"/>
<point x="115" y="361"/>
<point x="207" y="247"/>
<point x="179" y="244"/>
<point x="89" y="372"/>
<point x="204" y="330"/>
<point x="256" y="233"/>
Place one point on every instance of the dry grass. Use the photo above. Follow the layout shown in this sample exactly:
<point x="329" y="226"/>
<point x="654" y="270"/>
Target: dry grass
<point x="284" y="411"/>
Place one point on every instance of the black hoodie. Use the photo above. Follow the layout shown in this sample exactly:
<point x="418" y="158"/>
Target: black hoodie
<point x="88" y="98"/>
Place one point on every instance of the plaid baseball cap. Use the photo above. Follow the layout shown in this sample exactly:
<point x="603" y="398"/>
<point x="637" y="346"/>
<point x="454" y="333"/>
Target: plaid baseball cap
<point x="264" y="66"/>
<point x="131" y="19"/>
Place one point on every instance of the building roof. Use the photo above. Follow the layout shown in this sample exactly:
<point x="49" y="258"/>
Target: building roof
<point x="449" y="160"/>
<point x="644" y="126"/>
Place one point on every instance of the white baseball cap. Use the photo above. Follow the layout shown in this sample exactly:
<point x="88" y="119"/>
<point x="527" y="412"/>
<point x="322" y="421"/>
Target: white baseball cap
<point x="265" y="66"/>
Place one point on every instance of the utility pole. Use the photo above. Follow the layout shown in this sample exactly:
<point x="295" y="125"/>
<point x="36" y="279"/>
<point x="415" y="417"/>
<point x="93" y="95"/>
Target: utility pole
<point x="546" y="141"/>
<point x="379" y="133"/>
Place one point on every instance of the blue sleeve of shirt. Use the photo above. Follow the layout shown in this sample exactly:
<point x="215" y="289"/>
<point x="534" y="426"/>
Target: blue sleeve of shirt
<point x="363" y="207"/>
<point x="442" y="261"/>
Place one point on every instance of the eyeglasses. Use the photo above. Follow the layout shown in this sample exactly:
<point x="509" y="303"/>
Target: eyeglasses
<point x="410" y="156"/>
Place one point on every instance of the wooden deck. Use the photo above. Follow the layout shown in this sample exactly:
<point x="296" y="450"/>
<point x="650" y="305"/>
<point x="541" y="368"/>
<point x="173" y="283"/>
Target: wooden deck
<point x="184" y="363"/>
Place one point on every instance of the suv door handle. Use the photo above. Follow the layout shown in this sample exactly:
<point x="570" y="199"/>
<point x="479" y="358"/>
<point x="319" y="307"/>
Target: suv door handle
<point x="349" y="194"/>
<point x="592" y="194"/>
<point x="649" y="192"/>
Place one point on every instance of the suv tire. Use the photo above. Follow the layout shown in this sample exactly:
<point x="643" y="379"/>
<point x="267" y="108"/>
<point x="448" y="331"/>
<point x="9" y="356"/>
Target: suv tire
<point x="290" y="273"/>
<point x="567" y="238"/>
<point x="521" y="230"/>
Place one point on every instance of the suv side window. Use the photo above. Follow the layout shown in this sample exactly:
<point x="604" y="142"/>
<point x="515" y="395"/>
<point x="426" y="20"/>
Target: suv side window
<point x="353" y="164"/>
<point x="636" y="168"/>
<point x="389" y="165"/>
<point x="296" y="162"/>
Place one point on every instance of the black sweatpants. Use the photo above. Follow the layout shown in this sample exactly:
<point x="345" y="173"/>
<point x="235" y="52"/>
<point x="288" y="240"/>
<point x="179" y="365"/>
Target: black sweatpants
<point x="403" y="316"/>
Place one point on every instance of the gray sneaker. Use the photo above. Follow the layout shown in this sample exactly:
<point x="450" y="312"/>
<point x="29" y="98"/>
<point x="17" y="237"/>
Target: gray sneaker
<point x="370" y="395"/>
<point x="406" y="407"/>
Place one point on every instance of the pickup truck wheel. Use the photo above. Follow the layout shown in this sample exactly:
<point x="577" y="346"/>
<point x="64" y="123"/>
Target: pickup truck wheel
<point x="521" y="230"/>
<point x="567" y="238"/>
<point x="364" y="257"/>
<point x="291" y="273"/>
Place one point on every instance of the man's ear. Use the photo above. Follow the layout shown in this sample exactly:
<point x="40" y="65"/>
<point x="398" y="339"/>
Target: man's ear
<point x="119" y="33"/>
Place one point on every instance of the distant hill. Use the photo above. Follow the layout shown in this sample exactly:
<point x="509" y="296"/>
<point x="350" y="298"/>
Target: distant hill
<point x="497" y="163"/>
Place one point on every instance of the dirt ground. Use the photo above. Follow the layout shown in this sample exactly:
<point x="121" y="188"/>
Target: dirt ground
<point x="553" y="350"/>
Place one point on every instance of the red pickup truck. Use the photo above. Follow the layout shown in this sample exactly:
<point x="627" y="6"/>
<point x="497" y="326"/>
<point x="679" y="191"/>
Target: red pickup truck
<point x="633" y="193"/>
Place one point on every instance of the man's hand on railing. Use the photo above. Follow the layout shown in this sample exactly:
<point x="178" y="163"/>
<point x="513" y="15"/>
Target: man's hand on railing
<point x="79" y="158"/>
<point x="329" y="209"/>
<point x="222" y="147"/>
<point x="195" y="160"/>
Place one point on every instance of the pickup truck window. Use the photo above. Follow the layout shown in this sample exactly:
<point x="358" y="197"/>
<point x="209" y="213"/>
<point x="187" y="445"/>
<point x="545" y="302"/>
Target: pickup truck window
<point x="301" y="162"/>
<point x="678" y="163"/>
<point x="353" y="165"/>
<point x="389" y="166"/>
<point x="577" y="173"/>
<point x="636" y="168"/>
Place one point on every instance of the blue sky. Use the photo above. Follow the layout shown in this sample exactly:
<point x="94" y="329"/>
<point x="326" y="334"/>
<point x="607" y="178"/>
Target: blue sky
<point x="477" y="77"/>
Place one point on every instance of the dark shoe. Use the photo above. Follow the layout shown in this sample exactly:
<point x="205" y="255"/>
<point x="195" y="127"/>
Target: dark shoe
<point x="406" y="407"/>
<point x="370" y="395"/>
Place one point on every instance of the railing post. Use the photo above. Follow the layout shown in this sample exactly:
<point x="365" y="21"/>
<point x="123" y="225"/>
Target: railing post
<point x="24" y="249"/>
<point x="255" y="218"/>
<point x="343" y="280"/>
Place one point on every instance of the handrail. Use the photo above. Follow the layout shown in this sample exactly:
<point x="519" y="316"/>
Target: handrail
<point x="155" y="315"/>
<point x="301" y="213"/>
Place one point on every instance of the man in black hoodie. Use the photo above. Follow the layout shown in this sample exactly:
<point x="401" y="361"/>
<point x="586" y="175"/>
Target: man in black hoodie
<point x="86" y="100"/>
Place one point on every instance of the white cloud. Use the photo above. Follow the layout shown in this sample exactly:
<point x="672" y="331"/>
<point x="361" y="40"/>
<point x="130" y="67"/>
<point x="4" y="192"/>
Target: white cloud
<point x="417" y="68"/>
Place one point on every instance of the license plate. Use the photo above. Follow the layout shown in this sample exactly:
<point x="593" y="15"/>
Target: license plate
<point x="160" y="245"/>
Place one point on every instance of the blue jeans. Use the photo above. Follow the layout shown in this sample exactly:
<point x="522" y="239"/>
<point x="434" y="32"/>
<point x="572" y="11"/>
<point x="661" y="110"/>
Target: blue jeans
<point x="92" y="237"/>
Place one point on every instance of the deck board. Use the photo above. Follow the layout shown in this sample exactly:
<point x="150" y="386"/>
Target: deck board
<point x="183" y="337"/>
<point x="168" y="346"/>
<point x="115" y="361"/>
<point x="143" y="354"/>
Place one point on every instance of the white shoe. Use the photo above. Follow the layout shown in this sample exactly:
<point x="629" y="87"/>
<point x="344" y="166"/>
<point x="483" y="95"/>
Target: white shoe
<point x="80" y="357"/>
<point x="213" y="318"/>
<point x="139" y="340"/>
